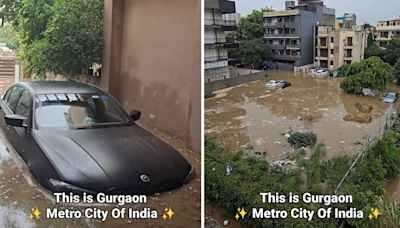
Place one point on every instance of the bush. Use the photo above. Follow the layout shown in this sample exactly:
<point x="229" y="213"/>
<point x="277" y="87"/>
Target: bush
<point x="249" y="178"/>
<point x="299" y="139"/>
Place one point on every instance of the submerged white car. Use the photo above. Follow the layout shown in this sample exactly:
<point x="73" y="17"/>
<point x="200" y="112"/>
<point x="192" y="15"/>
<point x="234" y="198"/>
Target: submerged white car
<point x="272" y="83"/>
<point x="390" y="98"/>
<point x="321" y="73"/>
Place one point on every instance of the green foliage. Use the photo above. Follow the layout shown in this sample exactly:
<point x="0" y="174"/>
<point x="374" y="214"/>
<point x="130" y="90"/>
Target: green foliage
<point x="251" y="26"/>
<point x="249" y="178"/>
<point x="299" y="139"/>
<point x="9" y="37"/>
<point x="374" y="50"/>
<point x="250" y="34"/>
<point x="370" y="73"/>
<point x="367" y="182"/>
<point x="397" y="67"/>
<point x="390" y="54"/>
<point x="392" y="51"/>
<point x="253" y="52"/>
<point x="370" y="39"/>
<point x="63" y="37"/>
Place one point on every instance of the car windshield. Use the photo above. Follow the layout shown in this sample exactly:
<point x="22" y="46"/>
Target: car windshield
<point x="390" y="96"/>
<point x="77" y="111"/>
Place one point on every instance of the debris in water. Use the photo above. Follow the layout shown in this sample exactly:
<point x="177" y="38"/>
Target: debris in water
<point x="229" y="170"/>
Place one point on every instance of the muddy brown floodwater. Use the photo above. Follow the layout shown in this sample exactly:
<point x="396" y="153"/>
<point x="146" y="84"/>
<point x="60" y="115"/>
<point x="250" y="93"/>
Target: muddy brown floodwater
<point x="255" y="118"/>
<point x="19" y="192"/>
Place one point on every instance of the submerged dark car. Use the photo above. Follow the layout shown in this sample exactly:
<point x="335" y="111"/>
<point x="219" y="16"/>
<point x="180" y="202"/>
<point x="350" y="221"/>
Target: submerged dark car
<point x="75" y="137"/>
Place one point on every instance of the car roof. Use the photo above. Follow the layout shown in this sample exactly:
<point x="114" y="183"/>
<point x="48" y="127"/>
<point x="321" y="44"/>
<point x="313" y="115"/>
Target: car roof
<point x="49" y="87"/>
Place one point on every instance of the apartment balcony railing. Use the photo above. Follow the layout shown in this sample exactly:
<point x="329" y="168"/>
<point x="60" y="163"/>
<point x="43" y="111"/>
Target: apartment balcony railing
<point x="274" y="35"/>
<point x="210" y="41"/>
<point x="285" y="57"/>
<point x="292" y="45"/>
<point x="290" y="25"/>
<point x="275" y="24"/>
<point x="215" y="58"/>
<point x="220" y="22"/>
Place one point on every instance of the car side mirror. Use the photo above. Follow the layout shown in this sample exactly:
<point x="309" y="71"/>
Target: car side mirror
<point x="135" y="115"/>
<point x="15" y="120"/>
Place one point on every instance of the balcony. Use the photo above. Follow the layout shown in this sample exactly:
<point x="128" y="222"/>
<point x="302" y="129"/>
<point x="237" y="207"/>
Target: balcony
<point x="275" y="24"/>
<point x="293" y="46"/>
<point x="214" y="41"/>
<point x="281" y="35"/>
<point x="215" y="58"/>
<point x="227" y="25"/>
<point x="285" y="57"/>
<point x="290" y="25"/>
<point x="231" y="43"/>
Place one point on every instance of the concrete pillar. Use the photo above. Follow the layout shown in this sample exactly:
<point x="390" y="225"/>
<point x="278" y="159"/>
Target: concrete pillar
<point x="113" y="18"/>
<point x="17" y="71"/>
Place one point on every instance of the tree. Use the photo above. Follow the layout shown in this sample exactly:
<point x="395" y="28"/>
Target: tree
<point x="397" y="68"/>
<point x="374" y="50"/>
<point x="392" y="51"/>
<point x="253" y="52"/>
<point x="370" y="39"/>
<point x="9" y="36"/>
<point x="251" y="26"/>
<point x="63" y="37"/>
<point x="370" y="73"/>
<point x="250" y="34"/>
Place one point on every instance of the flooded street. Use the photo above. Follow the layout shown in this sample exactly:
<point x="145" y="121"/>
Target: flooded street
<point x="255" y="118"/>
<point x="19" y="192"/>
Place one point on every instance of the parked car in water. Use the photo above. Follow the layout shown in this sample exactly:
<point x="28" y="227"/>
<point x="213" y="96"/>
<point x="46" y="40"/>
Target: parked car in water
<point x="283" y="84"/>
<point x="321" y="73"/>
<point x="75" y="137"/>
<point x="390" y="98"/>
<point x="272" y="83"/>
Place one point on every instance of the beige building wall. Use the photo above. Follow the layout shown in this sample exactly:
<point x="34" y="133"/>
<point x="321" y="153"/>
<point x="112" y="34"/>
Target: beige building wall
<point x="152" y="62"/>
<point x="348" y="47"/>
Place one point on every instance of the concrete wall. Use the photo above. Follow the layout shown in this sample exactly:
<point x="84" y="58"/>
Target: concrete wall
<point x="229" y="82"/>
<point x="152" y="63"/>
<point x="308" y="20"/>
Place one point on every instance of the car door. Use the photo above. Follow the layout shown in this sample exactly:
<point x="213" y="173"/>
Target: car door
<point x="8" y="109"/>
<point x="12" y="133"/>
<point x="22" y="134"/>
<point x="3" y="107"/>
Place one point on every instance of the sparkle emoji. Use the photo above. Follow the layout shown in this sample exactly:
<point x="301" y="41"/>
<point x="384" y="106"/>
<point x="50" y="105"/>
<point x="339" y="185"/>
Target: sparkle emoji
<point x="374" y="213"/>
<point x="35" y="214"/>
<point x="241" y="213"/>
<point x="168" y="213"/>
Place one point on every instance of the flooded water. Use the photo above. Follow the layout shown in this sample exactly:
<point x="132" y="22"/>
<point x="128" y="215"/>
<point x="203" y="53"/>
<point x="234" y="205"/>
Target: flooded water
<point x="252" y="116"/>
<point x="19" y="192"/>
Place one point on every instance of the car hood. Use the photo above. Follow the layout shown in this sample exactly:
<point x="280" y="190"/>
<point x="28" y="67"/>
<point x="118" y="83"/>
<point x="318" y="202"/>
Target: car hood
<point x="113" y="159"/>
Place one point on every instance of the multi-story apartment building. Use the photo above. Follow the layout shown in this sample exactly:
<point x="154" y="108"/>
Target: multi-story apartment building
<point x="215" y="41"/>
<point x="386" y="30"/>
<point x="333" y="48"/>
<point x="290" y="33"/>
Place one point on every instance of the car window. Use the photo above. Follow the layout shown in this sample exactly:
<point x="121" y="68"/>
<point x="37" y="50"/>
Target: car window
<point x="77" y="111"/>
<point x="13" y="98"/>
<point x="24" y="105"/>
<point x="7" y="95"/>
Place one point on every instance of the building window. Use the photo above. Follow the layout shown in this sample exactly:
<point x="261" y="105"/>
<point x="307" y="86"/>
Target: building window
<point x="331" y="63"/>
<point x="332" y="39"/>
<point x="331" y="51"/>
